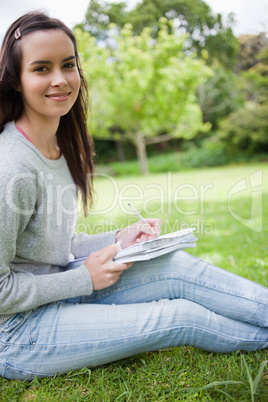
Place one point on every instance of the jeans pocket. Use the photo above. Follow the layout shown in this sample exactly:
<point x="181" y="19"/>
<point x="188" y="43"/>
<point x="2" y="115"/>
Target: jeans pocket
<point x="12" y="323"/>
<point x="6" y="329"/>
<point x="10" y="330"/>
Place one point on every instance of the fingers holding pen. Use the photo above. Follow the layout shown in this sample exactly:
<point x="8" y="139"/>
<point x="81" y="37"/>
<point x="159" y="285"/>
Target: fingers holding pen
<point x="148" y="230"/>
<point x="152" y="226"/>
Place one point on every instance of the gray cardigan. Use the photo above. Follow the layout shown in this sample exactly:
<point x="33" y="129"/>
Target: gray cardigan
<point x="38" y="213"/>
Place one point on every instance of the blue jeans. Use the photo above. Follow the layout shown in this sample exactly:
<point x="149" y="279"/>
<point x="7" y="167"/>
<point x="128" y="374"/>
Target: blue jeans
<point x="173" y="300"/>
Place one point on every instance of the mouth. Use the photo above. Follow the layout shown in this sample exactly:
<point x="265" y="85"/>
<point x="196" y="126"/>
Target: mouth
<point x="59" y="96"/>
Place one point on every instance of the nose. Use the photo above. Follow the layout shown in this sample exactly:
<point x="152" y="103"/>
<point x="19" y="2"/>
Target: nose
<point x="58" y="79"/>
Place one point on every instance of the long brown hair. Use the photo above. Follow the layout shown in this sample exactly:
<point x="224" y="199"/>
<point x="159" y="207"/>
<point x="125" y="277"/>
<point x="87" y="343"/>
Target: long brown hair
<point x="72" y="135"/>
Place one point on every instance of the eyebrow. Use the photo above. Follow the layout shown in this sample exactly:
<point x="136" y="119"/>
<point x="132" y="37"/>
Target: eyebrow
<point x="49" y="62"/>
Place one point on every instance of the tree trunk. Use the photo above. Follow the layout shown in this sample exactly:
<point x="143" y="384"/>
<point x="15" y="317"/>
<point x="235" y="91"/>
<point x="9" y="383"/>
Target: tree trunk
<point x="141" y="153"/>
<point x="120" y="151"/>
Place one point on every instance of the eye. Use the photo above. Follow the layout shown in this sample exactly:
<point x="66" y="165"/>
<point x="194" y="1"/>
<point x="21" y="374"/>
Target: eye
<point x="41" y="69"/>
<point x="69" y="65"/>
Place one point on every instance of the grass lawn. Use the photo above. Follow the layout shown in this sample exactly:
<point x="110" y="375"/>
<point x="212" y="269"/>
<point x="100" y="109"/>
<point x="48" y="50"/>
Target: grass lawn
<point x="228" y="206"/>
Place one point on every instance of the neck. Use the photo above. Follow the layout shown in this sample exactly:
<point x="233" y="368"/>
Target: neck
<point x="42" y="135"/>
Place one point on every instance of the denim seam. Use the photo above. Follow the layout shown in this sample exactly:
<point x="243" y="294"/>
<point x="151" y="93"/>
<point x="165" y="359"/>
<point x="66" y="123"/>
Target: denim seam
<point x="9" y="367"/>
<point x="165" y="277"/>
<point x="134" y="336"/>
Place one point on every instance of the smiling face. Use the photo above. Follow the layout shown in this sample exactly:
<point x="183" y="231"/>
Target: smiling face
<point x="50" y="79"/>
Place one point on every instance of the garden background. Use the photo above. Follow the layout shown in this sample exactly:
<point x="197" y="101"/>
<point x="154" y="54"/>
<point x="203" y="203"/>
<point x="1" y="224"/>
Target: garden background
<point x="179" y="120"/>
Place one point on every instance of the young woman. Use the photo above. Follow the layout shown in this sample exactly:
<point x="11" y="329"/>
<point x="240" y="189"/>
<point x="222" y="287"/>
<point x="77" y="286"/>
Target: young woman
<point x="56" y="313"/>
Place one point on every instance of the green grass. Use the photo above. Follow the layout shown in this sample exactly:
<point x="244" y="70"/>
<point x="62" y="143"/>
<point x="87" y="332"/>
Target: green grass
<point x="229" y="236"/>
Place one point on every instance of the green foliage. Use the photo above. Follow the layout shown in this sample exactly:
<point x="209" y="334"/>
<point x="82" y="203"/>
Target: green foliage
<point x="157" y="164"/>
<point x="246" y="129"/>
<point x="257" y="77"/>
<point x="100" y="14"/>
<point x="223" y="46"/>
<point x="165" y="163"/>
<point x="220" y="95"/>
<point x="148" y="86"/>
<point x="142" y="87"/>
<point x="144" y="81"/>
<point x="129" y="168"/>
<point x="250" y="47"/>
<point x="194" y="16"/>
<point x="211" y="153"/>
<point x="206" y="30"/>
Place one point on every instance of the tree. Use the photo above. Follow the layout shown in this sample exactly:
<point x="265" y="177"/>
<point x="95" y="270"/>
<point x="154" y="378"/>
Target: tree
<point x="100" y="14"/>
<point x="195" y="17"/>
<point x="206" y="30"/>
<point x="246" y="129"/>
<point x="143" y="89"/>
<point x="250" y="47"/>
<point x="257" y="77"/>
<point x="220" y="95"/>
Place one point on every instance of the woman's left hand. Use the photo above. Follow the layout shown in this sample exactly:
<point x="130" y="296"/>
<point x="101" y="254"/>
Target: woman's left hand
<point x="139" y="232"/>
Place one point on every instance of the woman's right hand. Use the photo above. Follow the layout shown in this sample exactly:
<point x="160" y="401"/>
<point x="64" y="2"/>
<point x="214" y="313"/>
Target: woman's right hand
<point x="103" y="270"/>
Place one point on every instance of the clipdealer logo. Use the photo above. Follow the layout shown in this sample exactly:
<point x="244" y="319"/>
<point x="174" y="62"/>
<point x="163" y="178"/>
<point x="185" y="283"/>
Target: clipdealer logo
<point x="253" y="184"/>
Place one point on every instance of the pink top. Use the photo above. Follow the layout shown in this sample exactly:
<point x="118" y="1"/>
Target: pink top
<point x="23" y="133"/>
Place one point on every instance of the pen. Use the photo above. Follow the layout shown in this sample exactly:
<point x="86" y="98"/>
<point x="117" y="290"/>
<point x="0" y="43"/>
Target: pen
<point x="139" y="216"/>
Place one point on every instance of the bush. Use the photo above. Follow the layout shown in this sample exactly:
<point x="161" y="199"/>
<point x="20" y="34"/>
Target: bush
<point x="165" y="163"/>
<point x="127" y="168"/>
<point x="211" y="153"/>
<point x="246" y="130"/>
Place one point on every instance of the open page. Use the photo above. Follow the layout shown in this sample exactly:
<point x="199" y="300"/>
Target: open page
<point x="152" y="248"/>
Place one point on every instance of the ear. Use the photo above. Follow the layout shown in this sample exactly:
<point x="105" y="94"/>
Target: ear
<point x="17" y="87"/>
